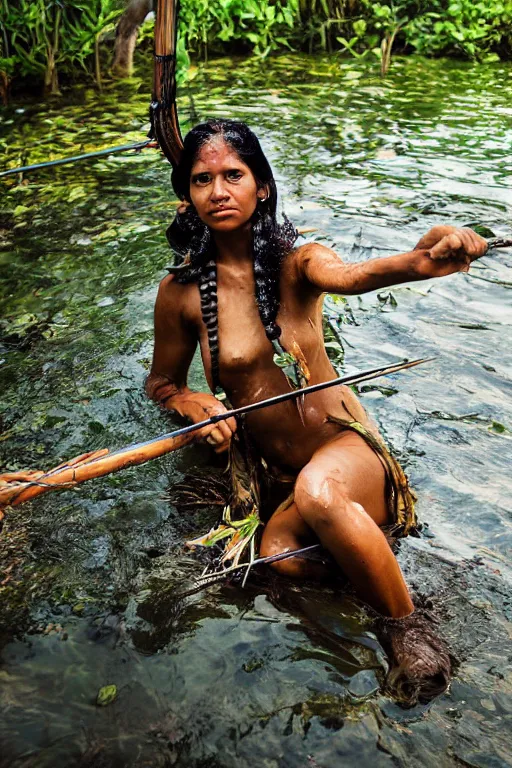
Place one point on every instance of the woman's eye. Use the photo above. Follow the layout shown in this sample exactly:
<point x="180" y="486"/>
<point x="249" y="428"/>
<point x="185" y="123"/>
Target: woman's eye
<point x="234" y="175"/>
<point x="201" y="178"/>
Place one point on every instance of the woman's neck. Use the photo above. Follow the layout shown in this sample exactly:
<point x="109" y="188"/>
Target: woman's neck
<point x="234" y="247"/>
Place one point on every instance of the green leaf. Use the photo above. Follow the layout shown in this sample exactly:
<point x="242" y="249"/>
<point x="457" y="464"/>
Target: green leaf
<point x="106" y="695"/>
<point x="359" y="27"/>
<point x="284" y="360"/>
<point x="498" y="427"/>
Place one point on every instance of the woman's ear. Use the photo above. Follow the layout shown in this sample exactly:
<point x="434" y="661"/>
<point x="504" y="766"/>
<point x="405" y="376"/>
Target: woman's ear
<point x="263" y="193"/>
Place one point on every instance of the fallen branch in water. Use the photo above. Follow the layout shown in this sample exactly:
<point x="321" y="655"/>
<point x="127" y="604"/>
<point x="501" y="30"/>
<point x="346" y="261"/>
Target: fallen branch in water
<point x="17" y="487"/>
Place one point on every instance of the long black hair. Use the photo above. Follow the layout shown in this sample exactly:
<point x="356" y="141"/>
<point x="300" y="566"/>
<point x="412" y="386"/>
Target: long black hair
<point x="191" y="239"/>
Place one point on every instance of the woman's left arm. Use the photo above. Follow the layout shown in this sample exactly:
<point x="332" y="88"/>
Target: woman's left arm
<point x="442" y="251"/>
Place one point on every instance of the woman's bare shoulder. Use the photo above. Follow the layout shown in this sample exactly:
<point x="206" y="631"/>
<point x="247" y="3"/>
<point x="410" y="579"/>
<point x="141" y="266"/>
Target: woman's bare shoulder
<point x="298" y="257"/>
<point x="177" y="299"/>
<point x="171" y="288"/>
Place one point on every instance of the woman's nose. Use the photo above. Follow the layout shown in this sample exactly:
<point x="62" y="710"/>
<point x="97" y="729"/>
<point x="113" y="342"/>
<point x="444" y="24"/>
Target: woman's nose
<point x="219" y="190"/>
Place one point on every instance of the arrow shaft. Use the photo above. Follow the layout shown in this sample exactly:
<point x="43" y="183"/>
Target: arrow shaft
<point x="353" y="378"/>
<point x="14" y="491"/>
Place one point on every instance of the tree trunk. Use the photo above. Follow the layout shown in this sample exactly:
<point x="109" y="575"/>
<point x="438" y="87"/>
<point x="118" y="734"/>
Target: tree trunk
<point x="51" y="77"/>
<point x="126" y="36"/>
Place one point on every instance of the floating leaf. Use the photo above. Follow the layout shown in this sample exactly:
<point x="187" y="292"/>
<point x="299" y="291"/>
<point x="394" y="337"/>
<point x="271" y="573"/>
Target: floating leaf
<point x="106" y="695"/>
<point x="498" y="427"/>
<point x="481" y="229"/>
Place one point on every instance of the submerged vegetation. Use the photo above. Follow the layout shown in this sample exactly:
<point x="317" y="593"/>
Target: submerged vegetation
<point x="43" y="42"/>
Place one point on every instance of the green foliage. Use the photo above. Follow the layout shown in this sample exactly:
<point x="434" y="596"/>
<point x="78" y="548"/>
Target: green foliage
<point x="480" y="30"/>
<point x="42" y="38"/>
<point x="262" y="26"/>
<point x="475" y="29"/>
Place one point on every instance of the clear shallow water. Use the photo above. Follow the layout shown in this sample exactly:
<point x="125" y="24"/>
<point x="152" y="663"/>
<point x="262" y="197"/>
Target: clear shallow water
<point x="286" y="677"/>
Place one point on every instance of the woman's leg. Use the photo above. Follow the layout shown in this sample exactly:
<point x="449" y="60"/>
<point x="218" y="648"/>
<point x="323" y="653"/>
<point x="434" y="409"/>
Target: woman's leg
<point x="340" y="496"/>
<point x="284" y="532"/>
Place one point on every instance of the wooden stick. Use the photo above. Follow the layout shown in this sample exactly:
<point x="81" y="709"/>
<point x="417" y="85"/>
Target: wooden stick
<point x="165" y="126"/>
<point x="17" y="487"/>
<point x="14" y="491"/>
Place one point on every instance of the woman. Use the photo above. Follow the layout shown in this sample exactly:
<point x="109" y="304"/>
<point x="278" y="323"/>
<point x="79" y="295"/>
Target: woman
<point x="251" y="299"/>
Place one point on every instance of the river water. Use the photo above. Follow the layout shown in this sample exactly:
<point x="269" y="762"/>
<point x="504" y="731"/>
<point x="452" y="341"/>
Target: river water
<point x="229" y="677"/>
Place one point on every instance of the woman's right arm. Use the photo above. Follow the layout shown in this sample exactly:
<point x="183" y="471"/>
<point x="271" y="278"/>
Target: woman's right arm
<point x="442" y="251"/>
<point x="175" y="344"/>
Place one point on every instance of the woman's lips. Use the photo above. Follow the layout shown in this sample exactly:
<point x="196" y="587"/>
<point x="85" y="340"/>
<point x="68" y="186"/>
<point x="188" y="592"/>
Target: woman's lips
<point x="223" y="212"/>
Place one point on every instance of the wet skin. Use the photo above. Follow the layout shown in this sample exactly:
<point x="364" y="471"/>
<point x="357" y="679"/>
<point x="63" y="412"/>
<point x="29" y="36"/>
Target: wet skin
<point x="339" y="492"/>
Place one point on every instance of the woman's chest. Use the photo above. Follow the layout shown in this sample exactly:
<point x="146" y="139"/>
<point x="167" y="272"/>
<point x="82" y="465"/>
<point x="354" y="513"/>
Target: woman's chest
<point x="241" y="335"/>
<point x="239" y="331"/>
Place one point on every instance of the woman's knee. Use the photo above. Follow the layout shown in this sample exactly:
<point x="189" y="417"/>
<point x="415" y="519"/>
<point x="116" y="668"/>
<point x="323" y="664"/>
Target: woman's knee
<point x="319" y="499"/>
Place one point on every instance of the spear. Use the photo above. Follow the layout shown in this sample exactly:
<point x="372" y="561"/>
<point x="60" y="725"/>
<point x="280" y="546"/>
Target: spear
<point x="17" y="487"/>
<point x="499" y="242"/>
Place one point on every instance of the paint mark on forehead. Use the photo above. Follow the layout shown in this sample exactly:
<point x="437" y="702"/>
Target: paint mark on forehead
<point x="216" y="154"/>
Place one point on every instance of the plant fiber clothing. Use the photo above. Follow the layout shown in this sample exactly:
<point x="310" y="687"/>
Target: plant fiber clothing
<point x="257" y="487"/>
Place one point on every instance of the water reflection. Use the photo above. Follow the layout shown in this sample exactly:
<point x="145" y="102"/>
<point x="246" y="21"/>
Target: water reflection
<point x="276" y="676"/>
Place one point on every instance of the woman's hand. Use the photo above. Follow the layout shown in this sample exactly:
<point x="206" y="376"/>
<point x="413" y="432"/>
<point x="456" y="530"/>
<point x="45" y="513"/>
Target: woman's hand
<point x="449" y="250"/>
<point x="198" y="406"/>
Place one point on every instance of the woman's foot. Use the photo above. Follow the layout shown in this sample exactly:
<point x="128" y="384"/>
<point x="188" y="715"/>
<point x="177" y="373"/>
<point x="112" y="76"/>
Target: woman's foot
<point x="420" y="660"/>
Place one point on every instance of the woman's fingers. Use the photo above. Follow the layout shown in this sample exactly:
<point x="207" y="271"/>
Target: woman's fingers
<point x="447" y="247"/>
<point x="200" y="405"/>
<point x="231" y="424"/>
<point x="220" y="436"/>
<point x="463" y="244"/>
<point x="216" y="437"/>
<point x="226" y="428"/>
<point x="474" y="245"/>
<point x="433" y="236"/>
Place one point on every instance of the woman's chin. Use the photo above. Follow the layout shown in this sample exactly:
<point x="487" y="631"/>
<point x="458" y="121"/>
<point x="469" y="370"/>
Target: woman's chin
<point x="227" y="225"/>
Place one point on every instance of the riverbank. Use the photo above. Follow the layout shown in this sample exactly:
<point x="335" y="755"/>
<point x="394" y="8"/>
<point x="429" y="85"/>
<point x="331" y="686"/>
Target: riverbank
<point x="45" y="45"/>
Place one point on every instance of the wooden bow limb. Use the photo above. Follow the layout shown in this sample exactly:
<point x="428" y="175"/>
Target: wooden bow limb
<point x="165" y="126"/>
<point x="17" y="487"/>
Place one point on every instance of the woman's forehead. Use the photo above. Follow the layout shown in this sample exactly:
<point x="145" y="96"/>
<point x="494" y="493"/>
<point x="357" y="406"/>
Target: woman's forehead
<point x="216" y="154"/>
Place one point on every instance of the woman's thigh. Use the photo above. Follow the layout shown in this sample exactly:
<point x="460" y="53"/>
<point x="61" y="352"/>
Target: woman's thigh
<point x="345" y="468"/>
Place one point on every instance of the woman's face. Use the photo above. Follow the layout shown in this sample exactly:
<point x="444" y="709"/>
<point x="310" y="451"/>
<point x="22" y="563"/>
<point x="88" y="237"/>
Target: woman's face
<point x="223" y="189"/>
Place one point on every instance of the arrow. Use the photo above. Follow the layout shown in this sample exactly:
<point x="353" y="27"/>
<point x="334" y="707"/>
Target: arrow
<point x="17" y="487"/>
